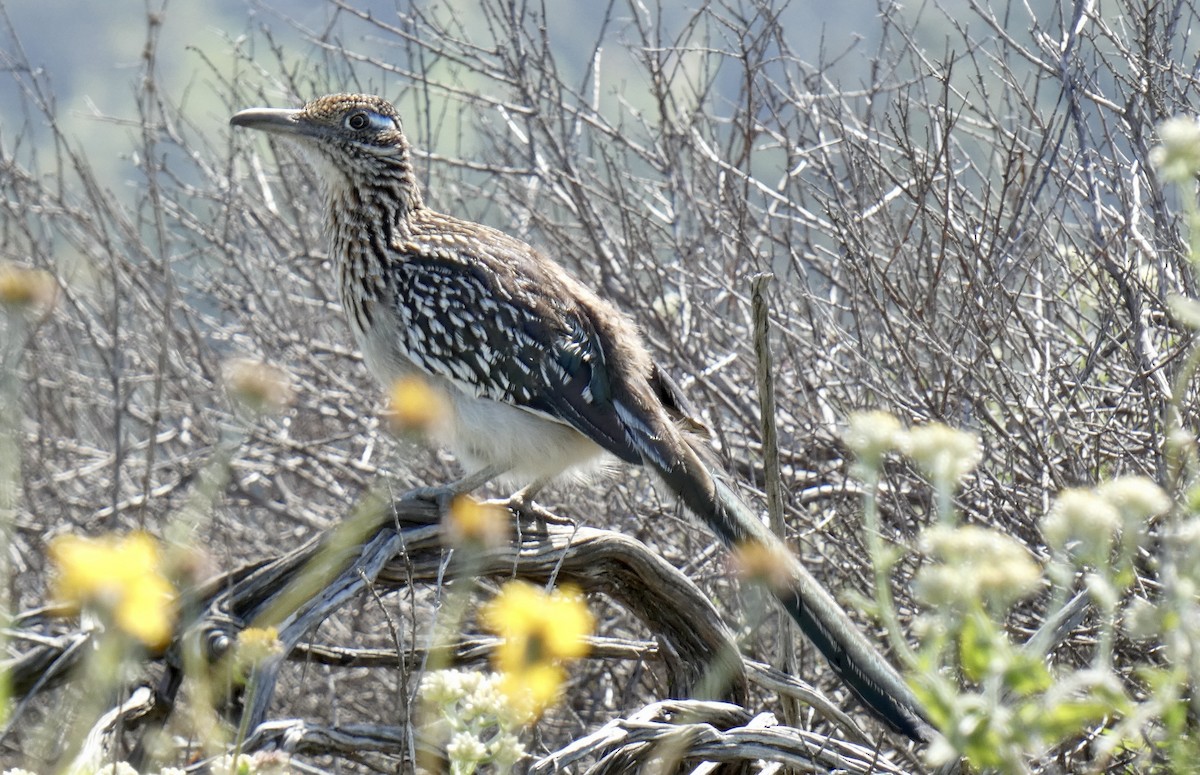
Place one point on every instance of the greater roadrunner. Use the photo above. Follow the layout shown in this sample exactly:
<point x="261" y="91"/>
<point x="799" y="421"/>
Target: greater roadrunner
<point x="540" y="374"/>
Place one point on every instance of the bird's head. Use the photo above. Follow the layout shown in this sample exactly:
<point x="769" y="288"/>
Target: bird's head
<point x="355" y="138"/>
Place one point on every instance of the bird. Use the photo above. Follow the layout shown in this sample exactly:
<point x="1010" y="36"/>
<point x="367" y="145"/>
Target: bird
<point x="541" y="376"/>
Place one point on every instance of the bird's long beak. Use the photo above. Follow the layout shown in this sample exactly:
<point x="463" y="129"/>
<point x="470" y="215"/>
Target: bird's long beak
<point x="276" y="120"/>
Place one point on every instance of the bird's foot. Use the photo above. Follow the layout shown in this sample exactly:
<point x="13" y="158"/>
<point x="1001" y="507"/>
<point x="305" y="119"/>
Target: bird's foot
<point x="521" y="503"/>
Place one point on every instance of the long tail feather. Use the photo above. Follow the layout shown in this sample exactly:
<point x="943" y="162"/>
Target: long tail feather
<point x="823" y="621"/>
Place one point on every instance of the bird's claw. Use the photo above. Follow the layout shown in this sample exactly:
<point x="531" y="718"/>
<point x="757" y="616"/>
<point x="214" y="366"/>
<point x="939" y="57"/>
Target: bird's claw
<point x="523" y="505"/>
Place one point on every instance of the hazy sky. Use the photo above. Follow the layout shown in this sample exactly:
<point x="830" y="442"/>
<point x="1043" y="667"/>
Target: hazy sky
<point x="90" y="54"/>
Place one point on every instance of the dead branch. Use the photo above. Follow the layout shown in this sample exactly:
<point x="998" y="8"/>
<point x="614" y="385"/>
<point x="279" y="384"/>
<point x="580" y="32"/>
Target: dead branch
<point x="389" y="549"/>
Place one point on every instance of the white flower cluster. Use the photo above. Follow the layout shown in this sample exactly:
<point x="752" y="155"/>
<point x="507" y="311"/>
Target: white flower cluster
<point x="972" y="563"/>
<point x="945" y="454"/>
<point x="1085" y="522"/>
<point x="1085" y="526"/>
<point x="1178" y="156"/>
<point x="872" y="435"/>
<point x="468" y="711"/>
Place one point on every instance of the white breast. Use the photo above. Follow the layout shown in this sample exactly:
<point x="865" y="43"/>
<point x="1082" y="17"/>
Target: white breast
<point x="482" y="432"/>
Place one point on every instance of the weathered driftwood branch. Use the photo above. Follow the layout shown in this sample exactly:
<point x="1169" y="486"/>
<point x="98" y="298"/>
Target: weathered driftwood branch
<point x="389" y="546"/>
<point x="665" y="733"/>
<point x="673" y="730"/>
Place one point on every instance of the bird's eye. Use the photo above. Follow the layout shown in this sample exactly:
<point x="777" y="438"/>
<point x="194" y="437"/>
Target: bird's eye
<point x="364" y="120"/>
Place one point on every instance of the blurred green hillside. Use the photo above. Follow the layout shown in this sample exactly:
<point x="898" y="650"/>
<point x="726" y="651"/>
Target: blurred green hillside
<point x="86" y="58"/>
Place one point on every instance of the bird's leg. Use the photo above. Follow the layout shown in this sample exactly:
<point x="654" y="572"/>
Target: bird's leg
<point x="473" y="481"/>
<point x="443" y="495"/>
<point x="521" y="503"/>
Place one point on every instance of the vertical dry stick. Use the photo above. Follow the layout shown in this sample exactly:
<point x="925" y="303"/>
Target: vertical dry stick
<point x="148" y="108"/>
<point x="774" y="487"/>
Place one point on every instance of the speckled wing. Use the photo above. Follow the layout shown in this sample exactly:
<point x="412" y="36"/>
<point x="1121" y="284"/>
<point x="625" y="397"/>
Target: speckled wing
<point x="521" y="348"/>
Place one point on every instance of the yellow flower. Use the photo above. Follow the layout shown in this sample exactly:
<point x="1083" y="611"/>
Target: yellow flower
<point x="541" y="632"/>
<point x="256" y="645"/>
<point x="120" y="576"/>
<point x="470" y="521"/>
<point x="414" y="405"/>
<point x="761" y="563"/>
<point x="21" y="287"/>
<point x="534" y="689"/>
<point x="260" y="386"/>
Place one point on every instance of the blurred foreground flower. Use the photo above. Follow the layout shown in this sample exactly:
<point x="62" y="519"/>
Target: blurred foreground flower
<point x="25" y="288"/>
<point x="255" y="645"/>
<point x="945" y="454"/>
<point x="473" y="718"/>
<point x="122" y="577"/>
<point x="1083" y="523"/>
<point x="542" y="631"/>
<point x="258" y="763"/>
<point x="414" y="406"/>
<point x="974" y="564"/>
<point x="871" y="435"/>
<point x="260" y="386"/>
<point x="761" y="563"/>
<point x="472" y="522"/>
<point x="1137" y="498"/>
<point x="1178" y="157"/>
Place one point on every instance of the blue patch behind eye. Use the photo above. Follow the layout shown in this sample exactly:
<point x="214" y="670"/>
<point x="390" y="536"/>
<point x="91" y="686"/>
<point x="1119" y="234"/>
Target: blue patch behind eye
<point x="380" y="122"/>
